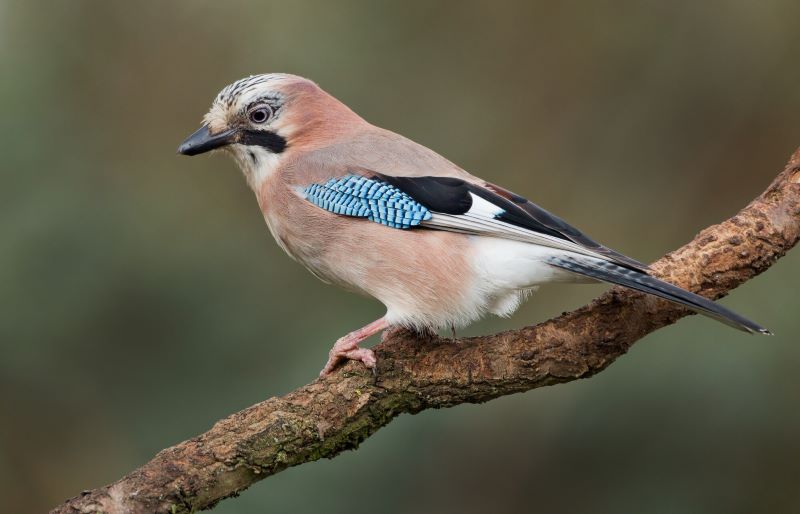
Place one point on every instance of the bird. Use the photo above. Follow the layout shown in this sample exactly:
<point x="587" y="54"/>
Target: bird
<point x="376" y="213"/>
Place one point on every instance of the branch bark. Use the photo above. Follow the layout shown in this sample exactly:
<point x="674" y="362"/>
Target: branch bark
<point x="335" y="414"/>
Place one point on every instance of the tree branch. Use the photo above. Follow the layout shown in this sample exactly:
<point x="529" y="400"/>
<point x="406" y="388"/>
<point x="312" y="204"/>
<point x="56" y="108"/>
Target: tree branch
<point x="335" y="414"/>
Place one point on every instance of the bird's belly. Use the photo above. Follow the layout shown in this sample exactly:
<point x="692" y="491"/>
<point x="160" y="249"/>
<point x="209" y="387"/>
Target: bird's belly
<point x="425" y="278"/>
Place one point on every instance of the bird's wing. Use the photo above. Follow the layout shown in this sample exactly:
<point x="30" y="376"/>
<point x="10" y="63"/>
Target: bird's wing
<point x="457" y="205"/>
<point x="491" y="210"/>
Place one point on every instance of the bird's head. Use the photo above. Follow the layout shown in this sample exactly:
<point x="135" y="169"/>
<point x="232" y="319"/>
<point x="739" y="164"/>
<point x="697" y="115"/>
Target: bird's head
<point x="261" y="119"/>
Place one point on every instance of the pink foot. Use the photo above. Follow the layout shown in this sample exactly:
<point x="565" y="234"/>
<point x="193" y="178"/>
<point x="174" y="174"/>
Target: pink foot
<point x="346" y="348"/>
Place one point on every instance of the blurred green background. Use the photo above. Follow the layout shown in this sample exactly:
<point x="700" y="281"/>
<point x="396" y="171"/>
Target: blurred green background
<point x="143" y="298"/>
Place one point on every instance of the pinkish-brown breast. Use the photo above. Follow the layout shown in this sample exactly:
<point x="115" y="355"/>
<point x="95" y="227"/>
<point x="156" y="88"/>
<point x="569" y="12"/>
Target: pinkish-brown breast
<point x="409" y="271"/>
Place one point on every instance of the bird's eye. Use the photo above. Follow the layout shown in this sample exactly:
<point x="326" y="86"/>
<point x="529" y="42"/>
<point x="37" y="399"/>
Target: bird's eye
<point x="260" y="115"/>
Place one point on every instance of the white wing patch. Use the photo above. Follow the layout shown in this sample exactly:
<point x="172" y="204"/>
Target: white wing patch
<point x="483" y="208"/>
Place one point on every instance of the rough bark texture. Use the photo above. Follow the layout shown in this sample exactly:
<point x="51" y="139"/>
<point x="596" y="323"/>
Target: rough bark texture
<point x="334" y="414"/>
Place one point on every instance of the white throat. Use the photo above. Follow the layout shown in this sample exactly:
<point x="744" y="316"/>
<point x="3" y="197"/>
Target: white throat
<point x="257" y="164"/>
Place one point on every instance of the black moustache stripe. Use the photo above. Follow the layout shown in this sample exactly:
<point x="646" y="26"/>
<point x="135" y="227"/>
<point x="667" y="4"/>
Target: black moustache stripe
<point x="269" y="140"/>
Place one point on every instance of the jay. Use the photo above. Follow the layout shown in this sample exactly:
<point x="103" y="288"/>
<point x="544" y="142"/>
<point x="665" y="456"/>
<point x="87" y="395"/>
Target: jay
<point x="381" y="215"/>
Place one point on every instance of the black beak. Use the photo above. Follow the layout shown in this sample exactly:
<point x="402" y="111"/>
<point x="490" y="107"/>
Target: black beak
<point x="203" y="141"/>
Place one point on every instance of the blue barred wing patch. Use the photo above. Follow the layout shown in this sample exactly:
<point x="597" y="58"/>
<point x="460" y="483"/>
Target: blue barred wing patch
<point x="369" y="198"/>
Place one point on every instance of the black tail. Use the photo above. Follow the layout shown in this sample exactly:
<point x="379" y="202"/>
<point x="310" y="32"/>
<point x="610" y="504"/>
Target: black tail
<point x="610" y="272"/>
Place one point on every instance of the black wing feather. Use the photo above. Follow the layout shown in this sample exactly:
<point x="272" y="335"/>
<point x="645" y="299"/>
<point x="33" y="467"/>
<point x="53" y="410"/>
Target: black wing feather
<point x="440" y="194"/>
<point x="451" y="195"/>
<point x="552" y="223"/>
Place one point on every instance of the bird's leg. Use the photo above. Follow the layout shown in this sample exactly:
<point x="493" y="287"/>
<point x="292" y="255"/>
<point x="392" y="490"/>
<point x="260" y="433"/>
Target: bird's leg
<point x="347" y="347"/>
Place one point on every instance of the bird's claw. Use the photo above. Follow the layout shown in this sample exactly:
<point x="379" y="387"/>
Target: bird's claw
<point x="347" y="350"/>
